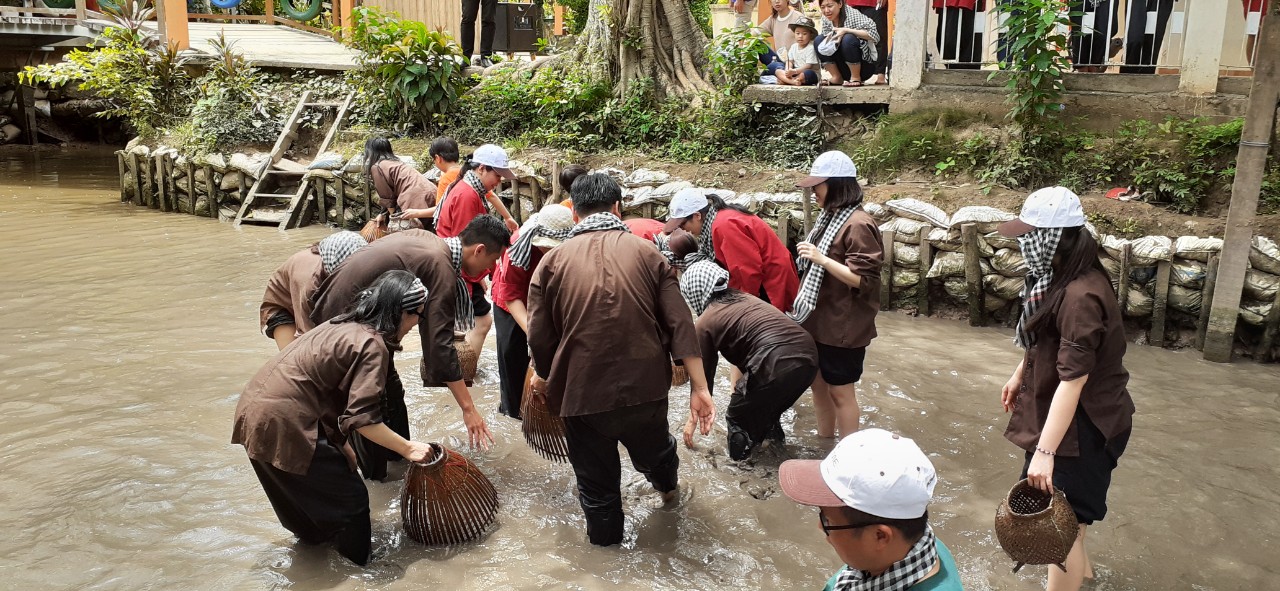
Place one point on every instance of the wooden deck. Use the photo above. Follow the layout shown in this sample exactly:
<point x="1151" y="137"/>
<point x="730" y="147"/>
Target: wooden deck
<point x="274" y="46"/>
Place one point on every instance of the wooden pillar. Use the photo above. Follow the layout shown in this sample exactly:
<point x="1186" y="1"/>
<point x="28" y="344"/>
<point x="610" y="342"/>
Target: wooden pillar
<point x="555" y="178"/>
<point x="270" y="10"/>
<point x="322" y="208"/>
<point x="557" y="28"/>
<point x="171" y="20"/>
<point x="926" y="262"/>
<point x="1251" y="163"/>
<point x="124" y="170"/>
<point x="1159" y="304"/>
<point x="162" y="197"/>
<point x="806" y="201"/>
<point x="973" y="273"/>
<point x="27" y="110"/>
<point x="136" y="171"/>
<point x="1206" y="296"/>
<point x="341" y="201"/>
<point x="784" y="226"/>
<point x="886" y="271"/>
<point x="82" y="12"/>
<point x="1126" y="255"/>
<point x="368" y="200"/>
<point x="344" y="16"/>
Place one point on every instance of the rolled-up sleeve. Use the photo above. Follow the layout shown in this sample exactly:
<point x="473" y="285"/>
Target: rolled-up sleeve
<point x="368" y="380"/>
<point x="864" y="252"/>
<point x="1082" y="326"/>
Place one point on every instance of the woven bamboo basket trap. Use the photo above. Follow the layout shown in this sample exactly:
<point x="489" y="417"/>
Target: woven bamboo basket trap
<point x="1036" y="528"/>
<point x="446" y="500"/>
<point x="679" y="375"/>
<point x="467" y="359"/>
<point x="543" y="430"/>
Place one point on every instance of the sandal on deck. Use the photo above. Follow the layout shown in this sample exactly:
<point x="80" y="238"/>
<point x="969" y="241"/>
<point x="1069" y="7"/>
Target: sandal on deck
<point x="852" y="84"/>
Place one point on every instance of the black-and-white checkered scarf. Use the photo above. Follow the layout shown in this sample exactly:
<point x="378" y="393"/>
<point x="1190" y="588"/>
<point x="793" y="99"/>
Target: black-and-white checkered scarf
<point x="1038" y="247"/>
<point x="700" y="281"/>
<point x="599" y="222"/>
<point x="811" y="275"/>
<point x="335" y="248"/>
<point x="464" y="316"/>
<point x="522" y="250"/>
<point x="706" y="245"/>
<point x="901" y="576"/>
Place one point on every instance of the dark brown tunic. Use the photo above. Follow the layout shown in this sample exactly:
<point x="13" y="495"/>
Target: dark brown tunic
<point x="426" y="256"/>
<point x="402" y="185"/>
<point x="1085" y="337"/>
<point x="290" y="287"/>
<point x="754" y="336"/>
<point x="605" y="319"/>
<point x="329" y="379"/>
<point x="846" y="316"/>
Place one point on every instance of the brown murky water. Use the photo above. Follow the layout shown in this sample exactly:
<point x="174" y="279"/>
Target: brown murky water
<point x="126" y="334"/>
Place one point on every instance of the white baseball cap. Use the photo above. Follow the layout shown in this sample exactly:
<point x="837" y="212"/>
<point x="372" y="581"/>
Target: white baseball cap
<point x="494" y="157"/>
<point x="1050" y="207"/>
<point x="874" y="471"/>
<point x="827" y="165"/>
<point x="687" y="202"/>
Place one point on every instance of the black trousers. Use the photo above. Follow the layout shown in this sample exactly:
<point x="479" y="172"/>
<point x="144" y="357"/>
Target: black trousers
<point x="881" y="18"/>
<point x="956" y="39"/>
<point x="1142" y="50"/>
<point x="1092" y="48"/>
<point x="848" y="51"/>
<point x="593" y="451"/>
<point x="513" y="361"/>
<point x="328" y="503"/>
<point x="754" y="408"/>
<point x="372" y="457"/>
<point x="488" y="10"/>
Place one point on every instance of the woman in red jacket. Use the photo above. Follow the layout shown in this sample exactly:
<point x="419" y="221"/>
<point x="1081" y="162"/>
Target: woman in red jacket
<point x="758" y="263"/>
<point x="464" y="201"/>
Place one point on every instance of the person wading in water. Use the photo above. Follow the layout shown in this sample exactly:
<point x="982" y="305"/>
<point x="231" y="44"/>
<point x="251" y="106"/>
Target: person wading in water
<point x="401" y="188"/>
<point x="295" y="415"/>
<point x="778" y="357"/>
<point x="286" y="304"/>
<point x="605" y="319"/>
<point x="1072" y="414"/>
<point x="440" y="263"/>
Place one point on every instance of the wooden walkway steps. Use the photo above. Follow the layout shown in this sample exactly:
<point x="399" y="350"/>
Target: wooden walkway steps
<point x="289" y="209"/>
<point x="272" y="46"/>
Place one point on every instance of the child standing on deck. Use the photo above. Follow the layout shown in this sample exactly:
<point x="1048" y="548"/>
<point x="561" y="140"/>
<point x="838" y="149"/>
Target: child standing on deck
<point x="802" y="57"/>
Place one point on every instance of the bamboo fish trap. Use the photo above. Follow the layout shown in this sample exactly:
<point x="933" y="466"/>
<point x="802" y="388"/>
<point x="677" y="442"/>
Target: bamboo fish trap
<point x="543" y="430"/>
<point x="679" y="375"/>
<point x="1036" y="528"/>
<point x="446" y="500"/>
<point x="468" y="359"/>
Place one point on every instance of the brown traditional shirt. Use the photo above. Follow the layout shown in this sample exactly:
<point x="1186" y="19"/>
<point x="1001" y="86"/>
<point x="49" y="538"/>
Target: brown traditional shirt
<point x="846" y="316"/>
<point x="290" y="287"/>
<point x="605" y="318"/>
<point x="754" y="336"/>
<point x="402" y="185"/>
<point x="329" y="380"/>
<point x="426" y="256"/>
<point x="1084" y="337"/>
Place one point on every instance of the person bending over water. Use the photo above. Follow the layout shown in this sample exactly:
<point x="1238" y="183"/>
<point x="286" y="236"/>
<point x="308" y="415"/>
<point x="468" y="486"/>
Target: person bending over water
<point x="298" y="411"/>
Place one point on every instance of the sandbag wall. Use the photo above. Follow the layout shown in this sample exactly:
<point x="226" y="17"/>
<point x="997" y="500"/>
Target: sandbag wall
<point x="1164" y="285"/>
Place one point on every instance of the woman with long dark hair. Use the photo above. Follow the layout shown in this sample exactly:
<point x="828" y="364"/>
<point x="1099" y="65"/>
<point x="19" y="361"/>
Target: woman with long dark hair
<point x="1071" y="410"/>
<point x="839" y="290"/>
<point x="847" y="45"/>
<point x="296" y="414"/>
<point x="402" y="190"/>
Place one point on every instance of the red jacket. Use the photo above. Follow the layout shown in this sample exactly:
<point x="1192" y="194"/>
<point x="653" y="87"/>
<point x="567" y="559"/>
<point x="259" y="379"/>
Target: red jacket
<point x="862" y="3"/>
<point x="757" y="261"/>
<point x="644" y="227"/>
<point x="511" y="282"/>
<point x="965" y="4"/>
<point x="461" y="206"/>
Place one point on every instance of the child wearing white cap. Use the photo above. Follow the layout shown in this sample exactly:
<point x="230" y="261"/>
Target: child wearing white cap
<point x="872" y="493"/>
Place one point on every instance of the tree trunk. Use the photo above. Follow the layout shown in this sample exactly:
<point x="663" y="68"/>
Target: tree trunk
<point x="626" y="41"/>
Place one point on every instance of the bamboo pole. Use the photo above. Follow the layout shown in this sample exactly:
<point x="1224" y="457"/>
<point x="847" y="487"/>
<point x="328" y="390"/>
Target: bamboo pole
<point x="1159" y="304"/>
<point x="886" y="271"/>
<point x="1125" y="258"/>
<point x="341" y="201"/>
<point x="555" y="179"/>
<point x="926" y="262"/>
<point x="136" y="171"/>
<point x="973" y="273"/>
<point x="806" y="200"/>
<point x="1206" y="295"/>
<point x="322" y="209"/>
<point x="211" y="190"/>
<point x="147" y="180"/>
<point x="784" y="226"/>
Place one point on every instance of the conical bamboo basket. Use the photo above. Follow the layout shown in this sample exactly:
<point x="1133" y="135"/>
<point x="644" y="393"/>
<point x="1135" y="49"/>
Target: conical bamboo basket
<point x="446" y="500"/>
<point x="543" y="429"/>
<point x="1036" y="528"/>
<point x="679" y="375"/>
<point x="468" y="359"/>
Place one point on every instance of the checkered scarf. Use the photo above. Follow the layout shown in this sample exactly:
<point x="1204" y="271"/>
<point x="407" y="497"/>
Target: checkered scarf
<point x="473" y="180"/>
<point x="1038" y="247"/>
<point x="521" y="251"/>
<point x="336" y="247"/>
<point x="706" y="245"/>
<point x="464" y="316"/>
<point x="700" y="281"/>
<point x="823" y="234"/>
<point x="599" y="222"/>
<point x="901" y="576"/>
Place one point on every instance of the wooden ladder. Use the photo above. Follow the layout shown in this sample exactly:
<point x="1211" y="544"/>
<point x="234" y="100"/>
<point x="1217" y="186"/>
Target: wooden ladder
<point x="289" y="210"/>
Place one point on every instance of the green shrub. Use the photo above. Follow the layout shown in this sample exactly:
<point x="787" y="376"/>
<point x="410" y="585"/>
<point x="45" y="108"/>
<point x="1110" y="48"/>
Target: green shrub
<point x="230" y="110"/>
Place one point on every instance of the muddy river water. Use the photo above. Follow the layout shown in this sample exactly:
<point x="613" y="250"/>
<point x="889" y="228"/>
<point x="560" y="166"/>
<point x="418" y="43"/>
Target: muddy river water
<point x="126" y="333"/>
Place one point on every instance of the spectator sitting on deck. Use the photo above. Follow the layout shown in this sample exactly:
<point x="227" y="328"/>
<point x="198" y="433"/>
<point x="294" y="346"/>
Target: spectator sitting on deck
<point x="802" y="58"/>
<point x="872" y="493"/>
<point x="778" y="28"/>
<point x="848" y="42"/>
